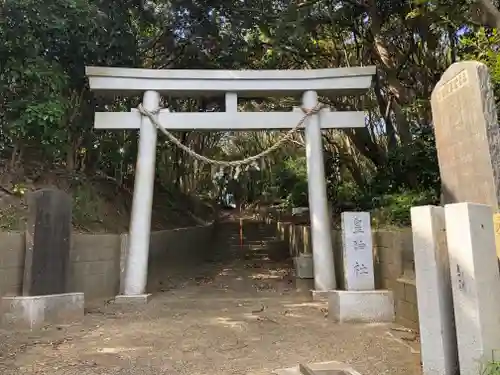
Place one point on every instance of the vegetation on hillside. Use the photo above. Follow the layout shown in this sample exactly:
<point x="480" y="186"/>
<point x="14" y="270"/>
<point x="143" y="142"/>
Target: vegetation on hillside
<point x="46" y="108"/>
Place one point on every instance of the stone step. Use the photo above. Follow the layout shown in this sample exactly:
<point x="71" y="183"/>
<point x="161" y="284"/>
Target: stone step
<point x="248" y="241"/>
<point x="247" y="236"/>
<point x="249" y="230"/>
<point x="247" y="233"/>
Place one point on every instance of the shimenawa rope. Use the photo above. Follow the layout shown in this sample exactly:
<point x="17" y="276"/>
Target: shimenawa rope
<point x="233" y="163"/>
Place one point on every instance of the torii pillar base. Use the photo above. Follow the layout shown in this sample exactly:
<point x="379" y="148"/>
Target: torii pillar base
<point x="137" y="299"/>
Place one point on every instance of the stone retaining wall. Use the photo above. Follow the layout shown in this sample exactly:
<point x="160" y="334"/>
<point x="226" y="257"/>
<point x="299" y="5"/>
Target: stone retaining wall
<point x="98" y="259"/>
<point x="393" y="263"/>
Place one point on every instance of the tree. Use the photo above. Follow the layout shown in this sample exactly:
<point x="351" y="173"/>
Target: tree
<point x="46" y="110"/>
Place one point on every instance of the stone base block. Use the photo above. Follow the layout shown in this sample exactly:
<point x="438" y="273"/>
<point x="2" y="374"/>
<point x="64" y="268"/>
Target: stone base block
<point x="35" y="311"/>
<point x="139" y="299"/>
<point x="320" y="295"/>
<point x="323" y="368"/>
<point x="361" y="306"/>
<point x="304" y="266"/>
<point x="304" y="286"/>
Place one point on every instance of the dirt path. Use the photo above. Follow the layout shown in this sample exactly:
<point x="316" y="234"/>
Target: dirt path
<point x="239" y="315"/>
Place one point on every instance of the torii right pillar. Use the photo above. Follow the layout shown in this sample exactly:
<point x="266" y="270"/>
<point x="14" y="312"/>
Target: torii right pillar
<point x="321" y="231"/>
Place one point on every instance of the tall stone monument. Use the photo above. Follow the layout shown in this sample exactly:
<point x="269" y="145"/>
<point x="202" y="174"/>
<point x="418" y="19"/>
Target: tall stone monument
<point x="46" y="267"/>
<point x="48" y="242"/>
<point x="467" y="135"/>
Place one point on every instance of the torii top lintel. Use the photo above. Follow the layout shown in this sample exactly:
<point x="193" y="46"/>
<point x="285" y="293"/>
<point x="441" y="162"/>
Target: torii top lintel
<point x="246" y="83"/>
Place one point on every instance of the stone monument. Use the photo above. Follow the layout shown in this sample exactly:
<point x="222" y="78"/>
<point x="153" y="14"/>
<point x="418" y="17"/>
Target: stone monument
<point x="467" y="135"/>
<point x="48" y="243"/>
<point x="357" y="251"/>
<point x="360" y="302"/>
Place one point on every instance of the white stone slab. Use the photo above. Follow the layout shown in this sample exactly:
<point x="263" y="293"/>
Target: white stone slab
<point x="179" y="82"/>
<point x="299" y="210"/>
<point x="357" y="251"/>
<point x="304" y="268"/>
<point x="34" y="311"/>
<point x="133" y="299"/>
<point x="475" y="283"/>
<point x="434" y="296"/>
<point x="320" y="295"/>
<point x="375" y="306"/>
<point x="331" y="368"/>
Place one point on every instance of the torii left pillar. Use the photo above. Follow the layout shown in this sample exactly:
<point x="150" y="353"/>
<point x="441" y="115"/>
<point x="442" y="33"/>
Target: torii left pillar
<point x="136" y="269"/>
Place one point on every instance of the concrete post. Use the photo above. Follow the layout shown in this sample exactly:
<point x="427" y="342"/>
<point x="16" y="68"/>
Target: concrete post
<point x="136" y="272"/>
<point x="475" y="283"/>
<point x="434" y="295"/>
<point x="321" y="231"/>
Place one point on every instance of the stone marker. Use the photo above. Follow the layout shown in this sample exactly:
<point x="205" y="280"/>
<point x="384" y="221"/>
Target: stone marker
<point x="360" y="302"/>
<point x="475" y="283"/>
<point x="48" y="242"/>
<point x="357" y="251"/>
<point x="304" y="267"/>
<point x="435" y="301"/>
<point x="320" y="368"/>
<point x="467" y="135"/>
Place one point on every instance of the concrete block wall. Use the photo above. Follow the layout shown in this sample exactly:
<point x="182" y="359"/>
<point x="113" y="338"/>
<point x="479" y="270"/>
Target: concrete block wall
<point x="393" y="263"/>
<point x="395" y="270"/>
<point x="95" y="260"/>
<point x="405" y="298"/>
<point x="94" y="265"/>
<point x="11" y="263"/>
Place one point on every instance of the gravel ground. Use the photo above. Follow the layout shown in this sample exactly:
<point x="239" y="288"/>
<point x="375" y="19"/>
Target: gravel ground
<point x="241" y="317"/>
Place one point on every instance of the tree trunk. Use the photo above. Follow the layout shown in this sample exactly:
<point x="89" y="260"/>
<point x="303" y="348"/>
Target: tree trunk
<point x="390" y="67"/>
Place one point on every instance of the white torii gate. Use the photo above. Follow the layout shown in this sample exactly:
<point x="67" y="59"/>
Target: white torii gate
<point x="232" y="84"/>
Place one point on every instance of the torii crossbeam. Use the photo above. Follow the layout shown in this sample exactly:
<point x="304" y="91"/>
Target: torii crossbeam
<point x="231" y="84"/>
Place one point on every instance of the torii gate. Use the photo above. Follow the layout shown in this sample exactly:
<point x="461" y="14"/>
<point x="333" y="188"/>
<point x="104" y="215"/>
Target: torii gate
<point x="247" y="83"/>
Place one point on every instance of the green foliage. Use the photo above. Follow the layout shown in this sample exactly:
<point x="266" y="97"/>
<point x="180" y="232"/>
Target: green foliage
<point x="39" y="115"/>
<point x="42" y="62"/>
<point x="86" y="205"/>
<point x="394" y="209"/>
<point x="291" y="181"/>
<point x="482" y="44"/>
<point x="414" y="164"/>
<point x="491" y="368"/>
<point x="8" y="218"/>
<point x="388" y="193"/>
<point x="391" y="193"/>
<point x="346" y="195"/>
<point x="47" y="110"/>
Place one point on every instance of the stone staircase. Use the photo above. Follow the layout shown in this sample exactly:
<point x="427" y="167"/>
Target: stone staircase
<point x="255" y="236"/>
<point x="259" y="260"/>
